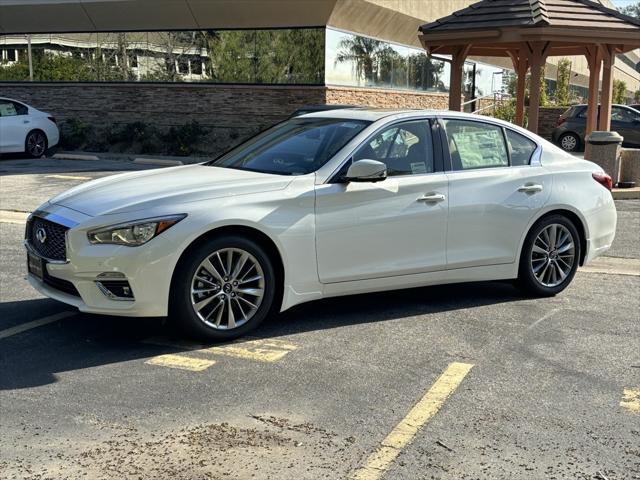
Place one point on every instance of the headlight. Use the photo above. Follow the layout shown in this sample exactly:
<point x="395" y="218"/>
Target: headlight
<point x="134" y="233"/>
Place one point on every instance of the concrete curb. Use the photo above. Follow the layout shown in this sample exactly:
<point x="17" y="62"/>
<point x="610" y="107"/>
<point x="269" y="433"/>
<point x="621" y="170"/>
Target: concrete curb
<point x="75" y="156"/>
<point x="157" y="161"/>
<point x="626" y="193"/>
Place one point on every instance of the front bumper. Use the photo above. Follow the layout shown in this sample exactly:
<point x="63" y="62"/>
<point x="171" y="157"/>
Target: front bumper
<point x="148" y="270"/>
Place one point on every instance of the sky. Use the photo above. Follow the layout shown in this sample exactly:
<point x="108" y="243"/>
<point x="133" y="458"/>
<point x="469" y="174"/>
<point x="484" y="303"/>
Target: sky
<point x="623" y="3"/>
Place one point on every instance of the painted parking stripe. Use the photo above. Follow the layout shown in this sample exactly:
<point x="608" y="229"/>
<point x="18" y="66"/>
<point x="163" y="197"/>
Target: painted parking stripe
<point x="67" y="177"/>
<point x="181" y="362"/>
<point x="405" y="431"/>
<point x="34" y="324"/>
<point x="10" y="216"/>
<point x="259" y="350"/>
<point x="631" y="399"/>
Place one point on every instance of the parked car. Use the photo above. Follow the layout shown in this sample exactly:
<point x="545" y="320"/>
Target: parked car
<point x="325" y="204"/>
<point x="570" y="130"/>
<point x="636" y="106"/>
<point x="24" y="129"/>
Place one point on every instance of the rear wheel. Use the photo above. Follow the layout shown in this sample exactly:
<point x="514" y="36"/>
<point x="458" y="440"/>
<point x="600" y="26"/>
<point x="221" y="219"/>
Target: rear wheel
<point x="36" y="144"/>
<point x="550" y="256"/>
<point x="224" y="289"/>
<point x="569" y="142"/>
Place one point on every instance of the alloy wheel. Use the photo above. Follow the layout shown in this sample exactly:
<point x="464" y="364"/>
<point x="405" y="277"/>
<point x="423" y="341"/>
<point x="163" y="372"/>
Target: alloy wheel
<point x="569" y="143"/>
<point x="36" y="144"/>
<point x="553" y="255"/>
<point x="227" y="288"/>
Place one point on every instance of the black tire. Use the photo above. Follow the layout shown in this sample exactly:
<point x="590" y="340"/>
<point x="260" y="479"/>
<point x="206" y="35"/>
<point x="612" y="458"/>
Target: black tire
<point x="569" y="142"/>
<point x="181" y="308"/>
<point x="36" y="144"/>
<point x="527" y="279"/>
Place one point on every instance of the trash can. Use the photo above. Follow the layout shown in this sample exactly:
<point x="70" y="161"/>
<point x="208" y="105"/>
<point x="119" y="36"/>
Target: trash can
<point x="603" y="148"/>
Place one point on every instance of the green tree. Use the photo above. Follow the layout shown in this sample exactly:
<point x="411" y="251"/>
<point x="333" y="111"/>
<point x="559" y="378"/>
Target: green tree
<point x="365" y="53"/>
<point x="619" y="91"/>
<point x="563" y="79"/>
<point x="636" y="96"/>
<point x="632" y="10"/>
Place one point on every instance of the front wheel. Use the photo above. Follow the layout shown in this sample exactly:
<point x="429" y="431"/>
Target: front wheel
<point x="550" y="256"/>
<point x="36" y="144"/>
<point x="225" y="288"/>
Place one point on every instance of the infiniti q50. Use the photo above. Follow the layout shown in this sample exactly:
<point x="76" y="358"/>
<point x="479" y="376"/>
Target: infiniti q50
<point x="324" y="204"/>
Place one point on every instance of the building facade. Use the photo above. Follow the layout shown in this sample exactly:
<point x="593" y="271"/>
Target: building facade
<point x="223" y="62"/>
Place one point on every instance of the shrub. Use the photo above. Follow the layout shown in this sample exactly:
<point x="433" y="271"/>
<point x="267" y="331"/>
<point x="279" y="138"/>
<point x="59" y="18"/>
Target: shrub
<point x="184" y="140"/>
<point x="74" y="133"/>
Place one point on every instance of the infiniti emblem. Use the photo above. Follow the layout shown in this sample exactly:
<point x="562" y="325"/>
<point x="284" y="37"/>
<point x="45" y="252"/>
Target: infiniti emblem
<point x="41" y="235"/>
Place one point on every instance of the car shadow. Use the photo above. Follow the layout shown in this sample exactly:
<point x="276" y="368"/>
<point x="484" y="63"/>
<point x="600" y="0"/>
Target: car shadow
<point x="35" y="357"/>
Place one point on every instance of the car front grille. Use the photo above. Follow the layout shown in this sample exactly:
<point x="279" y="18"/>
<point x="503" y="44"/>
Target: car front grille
<point x="47" y="238"/>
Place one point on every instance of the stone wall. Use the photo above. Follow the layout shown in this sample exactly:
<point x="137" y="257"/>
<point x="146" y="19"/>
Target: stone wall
<point x="374" y="97"/>
<point x="231" y="113"/>
<point x="548" y="120"/>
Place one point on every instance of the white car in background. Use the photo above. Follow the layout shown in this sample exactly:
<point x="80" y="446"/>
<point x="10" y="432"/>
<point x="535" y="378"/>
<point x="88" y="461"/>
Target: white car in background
<point x="324" y="204"/>
<point x="24" y="129"/>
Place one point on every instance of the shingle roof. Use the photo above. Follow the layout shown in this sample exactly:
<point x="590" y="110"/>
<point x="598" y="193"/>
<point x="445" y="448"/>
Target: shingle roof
<point x="488" y="14"/>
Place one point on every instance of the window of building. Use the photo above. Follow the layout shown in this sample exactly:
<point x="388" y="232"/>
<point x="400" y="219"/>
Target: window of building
<point x="405" y="148"/>
<point x="475" y="144"/>
<point x="11" y="55"/>
<point x="355" y="60"/>
<point x="183" y="65"/>
<point x="196" y="67"/>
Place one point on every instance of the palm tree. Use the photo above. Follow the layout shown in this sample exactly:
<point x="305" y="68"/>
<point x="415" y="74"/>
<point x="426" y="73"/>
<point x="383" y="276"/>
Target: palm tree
<point x="366" y="55"/>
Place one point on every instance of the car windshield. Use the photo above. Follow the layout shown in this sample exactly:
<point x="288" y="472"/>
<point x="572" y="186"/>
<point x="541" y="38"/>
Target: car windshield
<point x="295" y="147"/>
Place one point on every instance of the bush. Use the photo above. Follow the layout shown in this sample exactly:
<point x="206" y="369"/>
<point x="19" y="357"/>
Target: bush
<point x="184" y="140"/>
<point x="74" y="134"/>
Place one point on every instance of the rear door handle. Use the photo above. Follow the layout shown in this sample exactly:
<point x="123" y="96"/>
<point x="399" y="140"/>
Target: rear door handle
<point x="432" y="198"/>
<point x="530" y="188"/>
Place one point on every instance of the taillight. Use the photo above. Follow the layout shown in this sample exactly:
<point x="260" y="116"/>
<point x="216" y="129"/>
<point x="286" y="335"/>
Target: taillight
<point x="53" y="120"/>
<point x="603" y="179"/>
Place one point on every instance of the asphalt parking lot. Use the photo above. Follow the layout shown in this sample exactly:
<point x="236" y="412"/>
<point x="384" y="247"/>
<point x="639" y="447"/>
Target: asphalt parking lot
<point x="470" y="381"/>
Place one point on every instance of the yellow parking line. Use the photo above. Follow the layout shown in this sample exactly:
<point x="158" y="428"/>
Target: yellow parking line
<point x="260" y="350"/>
<point x="67" y="177"/>
<point x="403" y="433"/>
<point x="631" y="399"/>
<point x="35" y="323"/>
<point x="181" y="362"/>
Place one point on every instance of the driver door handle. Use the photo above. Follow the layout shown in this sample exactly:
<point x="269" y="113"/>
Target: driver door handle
<point x="530" y="188"/>
<point x="432" y="198"/>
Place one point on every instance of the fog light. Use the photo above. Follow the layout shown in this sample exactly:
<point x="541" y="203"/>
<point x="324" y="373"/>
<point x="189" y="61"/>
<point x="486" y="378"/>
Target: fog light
<point x="116" y="289"/>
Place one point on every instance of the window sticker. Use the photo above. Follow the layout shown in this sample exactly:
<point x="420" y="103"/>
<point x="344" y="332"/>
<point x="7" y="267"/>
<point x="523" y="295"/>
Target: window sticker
<point x="418" y="168"/>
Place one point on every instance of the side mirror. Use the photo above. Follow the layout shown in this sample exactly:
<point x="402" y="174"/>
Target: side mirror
<point x="366" y="171"/>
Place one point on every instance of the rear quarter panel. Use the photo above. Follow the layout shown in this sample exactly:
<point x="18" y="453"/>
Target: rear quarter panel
<point x="575" y="190"/>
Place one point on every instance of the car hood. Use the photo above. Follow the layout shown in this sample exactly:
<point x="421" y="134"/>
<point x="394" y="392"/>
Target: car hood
<point x="129" y="192"/>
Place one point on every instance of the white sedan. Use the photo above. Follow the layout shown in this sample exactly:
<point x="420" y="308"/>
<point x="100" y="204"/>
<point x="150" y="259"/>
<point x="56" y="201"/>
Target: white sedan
<point x="325" y="204"/>
<point x="24" y="129"/>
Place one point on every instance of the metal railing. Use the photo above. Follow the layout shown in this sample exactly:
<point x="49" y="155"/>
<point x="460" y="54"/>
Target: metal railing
<point x="497" y="97"/>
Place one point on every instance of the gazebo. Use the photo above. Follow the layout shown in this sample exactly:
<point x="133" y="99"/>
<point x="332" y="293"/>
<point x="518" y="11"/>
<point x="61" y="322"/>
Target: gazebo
<point x="529" y="31"/>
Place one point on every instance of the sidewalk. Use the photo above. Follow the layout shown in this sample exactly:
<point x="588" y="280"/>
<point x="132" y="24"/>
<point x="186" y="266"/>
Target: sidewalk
<point x="160" y="160"/>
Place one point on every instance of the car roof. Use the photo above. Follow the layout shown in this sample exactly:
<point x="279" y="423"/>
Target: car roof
<point x="373" y="114"/>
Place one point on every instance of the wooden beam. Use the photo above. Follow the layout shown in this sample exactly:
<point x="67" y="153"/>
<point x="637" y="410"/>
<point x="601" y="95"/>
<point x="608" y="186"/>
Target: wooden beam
<point x="520" y="60"/>
<point x="608" y="59"/>
<point x="537" y="53"/>
<point x="594" y="61"/>
<point x="457" y="66"/>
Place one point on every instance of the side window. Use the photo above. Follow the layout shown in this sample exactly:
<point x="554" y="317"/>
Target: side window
<point x="405" y="148"/>
<point x="475" y="144"/>
<point x="7" y="109"/>
<point x="20" y="109"/>
<point x="622" y="115"/>
<point x="520" y="148"/>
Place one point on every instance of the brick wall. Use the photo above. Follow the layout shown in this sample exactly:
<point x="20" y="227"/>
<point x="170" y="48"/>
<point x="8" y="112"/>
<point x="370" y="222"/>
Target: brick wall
<point x="548" y="120"/>
<point x="374" y="97"/>
<point x="231" y="112"/>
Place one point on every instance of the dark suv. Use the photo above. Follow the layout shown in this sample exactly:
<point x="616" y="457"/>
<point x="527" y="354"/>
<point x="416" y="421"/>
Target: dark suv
<point x="569" y="132"/>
